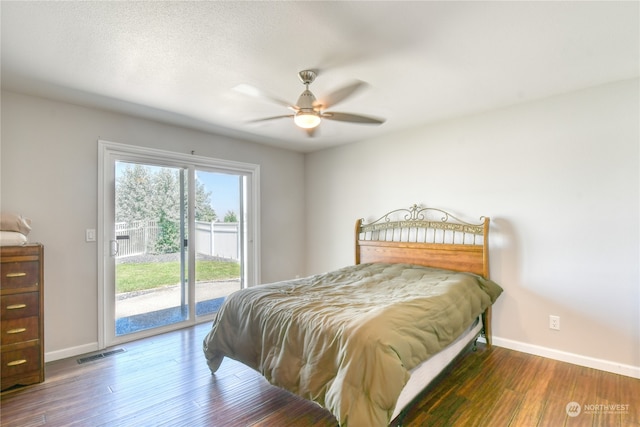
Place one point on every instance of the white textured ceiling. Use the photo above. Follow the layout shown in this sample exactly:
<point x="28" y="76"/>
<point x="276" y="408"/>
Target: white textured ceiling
<point x="424" y="61"/>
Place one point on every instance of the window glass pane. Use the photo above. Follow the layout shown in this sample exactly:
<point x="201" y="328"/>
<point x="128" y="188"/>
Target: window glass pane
<point x="218" y="242"/>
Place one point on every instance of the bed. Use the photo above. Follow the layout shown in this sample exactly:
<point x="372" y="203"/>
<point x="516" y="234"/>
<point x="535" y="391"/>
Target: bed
<point x="364" y="340"/>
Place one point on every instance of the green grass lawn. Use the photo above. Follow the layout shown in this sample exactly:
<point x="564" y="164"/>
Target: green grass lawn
<point x="140" y="276"/>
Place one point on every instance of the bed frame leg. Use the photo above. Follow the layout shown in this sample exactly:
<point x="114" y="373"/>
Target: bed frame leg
<point x="486" y="326"/>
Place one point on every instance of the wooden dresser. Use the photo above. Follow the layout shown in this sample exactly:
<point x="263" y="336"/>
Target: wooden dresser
<point x="21" y="319"/>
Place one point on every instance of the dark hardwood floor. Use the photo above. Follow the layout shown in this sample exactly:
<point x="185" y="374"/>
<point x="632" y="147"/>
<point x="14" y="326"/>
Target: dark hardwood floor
<point x="164" y="380"/>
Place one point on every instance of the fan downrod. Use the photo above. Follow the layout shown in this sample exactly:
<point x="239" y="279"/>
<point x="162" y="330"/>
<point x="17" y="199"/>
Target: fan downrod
<point x="307" y="76"/>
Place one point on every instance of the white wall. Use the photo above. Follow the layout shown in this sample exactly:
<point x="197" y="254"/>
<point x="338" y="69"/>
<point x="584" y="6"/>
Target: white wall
<point x="559" y="179"/>
<point x="49" y="157"/>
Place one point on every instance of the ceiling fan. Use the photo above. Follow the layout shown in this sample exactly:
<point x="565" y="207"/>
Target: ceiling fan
<point x="308" y="111"/>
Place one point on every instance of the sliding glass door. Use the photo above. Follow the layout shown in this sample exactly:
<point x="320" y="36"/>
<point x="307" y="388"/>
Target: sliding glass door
<point x="178" y="236"/>
<point x="150" y="246"/>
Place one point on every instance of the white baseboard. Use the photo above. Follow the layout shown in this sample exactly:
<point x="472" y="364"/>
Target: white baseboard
<point x="70" y="352"/>
<point x="563" y="356"/>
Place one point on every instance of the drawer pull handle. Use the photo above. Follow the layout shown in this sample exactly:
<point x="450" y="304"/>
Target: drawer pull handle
<point x="16" y="331"/>
<point x="16" y="274"/>
<point x="16" y="306"/>
<point x="17" y="362"/>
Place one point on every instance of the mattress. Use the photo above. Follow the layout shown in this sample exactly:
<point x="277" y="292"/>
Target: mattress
<point x="423" y="374"/>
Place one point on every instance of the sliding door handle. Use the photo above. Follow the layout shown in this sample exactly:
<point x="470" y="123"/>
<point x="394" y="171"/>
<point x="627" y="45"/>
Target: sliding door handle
<point x="114" y="247"/>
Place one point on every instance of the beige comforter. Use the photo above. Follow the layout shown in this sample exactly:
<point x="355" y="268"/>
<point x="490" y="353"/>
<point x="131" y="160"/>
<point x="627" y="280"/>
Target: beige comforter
<point x="347" y="339"/>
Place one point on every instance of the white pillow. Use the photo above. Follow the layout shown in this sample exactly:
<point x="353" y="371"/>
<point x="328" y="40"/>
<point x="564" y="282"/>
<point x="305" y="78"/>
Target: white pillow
<point x="14" y="222"/>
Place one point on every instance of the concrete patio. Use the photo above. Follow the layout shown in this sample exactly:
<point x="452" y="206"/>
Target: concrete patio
<point x="142" y="310"/>
<point x="132" y="303"/>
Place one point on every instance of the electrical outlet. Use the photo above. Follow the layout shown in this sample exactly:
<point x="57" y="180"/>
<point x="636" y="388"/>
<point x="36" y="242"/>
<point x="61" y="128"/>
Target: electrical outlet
<point x="554" y="322"/>
<point x="90" y="235"/>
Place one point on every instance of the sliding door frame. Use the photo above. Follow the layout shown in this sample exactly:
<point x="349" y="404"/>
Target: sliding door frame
<point x="108" y="152"/>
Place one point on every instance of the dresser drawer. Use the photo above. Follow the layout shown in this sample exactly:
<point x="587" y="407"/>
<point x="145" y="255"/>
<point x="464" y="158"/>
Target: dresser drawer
<point x="18" y="306"/>
<point x="21" y="274"/>
<point x="16" y="362"/>
<point x="19" y="330"/>
<point x="21" y="315"/>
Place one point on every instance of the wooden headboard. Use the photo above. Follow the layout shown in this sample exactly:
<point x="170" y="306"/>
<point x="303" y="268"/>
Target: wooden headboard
<point x="429" y="237"/>
<point x="425" y="236"/>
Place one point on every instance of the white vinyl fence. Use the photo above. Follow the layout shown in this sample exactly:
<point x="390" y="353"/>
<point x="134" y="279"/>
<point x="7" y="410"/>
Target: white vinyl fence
<point x="219" y="239"/>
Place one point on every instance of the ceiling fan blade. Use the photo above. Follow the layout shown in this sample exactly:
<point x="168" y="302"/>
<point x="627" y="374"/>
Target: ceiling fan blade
<point x="341" y="94"/>
<point x="271" y="118"/>
<point x="249" y="90"/>
<point x="353" y="118"/>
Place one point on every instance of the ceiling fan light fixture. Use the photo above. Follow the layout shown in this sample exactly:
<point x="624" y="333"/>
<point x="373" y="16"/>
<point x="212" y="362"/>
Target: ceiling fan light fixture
<point x="307" y="119"/>
<point x="308" y="112"/>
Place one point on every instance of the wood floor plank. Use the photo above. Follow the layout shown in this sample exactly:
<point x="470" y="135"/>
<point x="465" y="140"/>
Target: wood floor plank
<point x="536" y="389"/>
<point x="529" y="412"/>
<point x="446" y="415"/>
<point x="629" y="391"/>
<point x="584" y="391"/>
<point x="164" y="381"/>
<point x="504" y="409"/>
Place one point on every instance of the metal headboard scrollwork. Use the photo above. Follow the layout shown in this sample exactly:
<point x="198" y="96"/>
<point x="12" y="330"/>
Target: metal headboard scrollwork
<point x="424" y="225"/>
